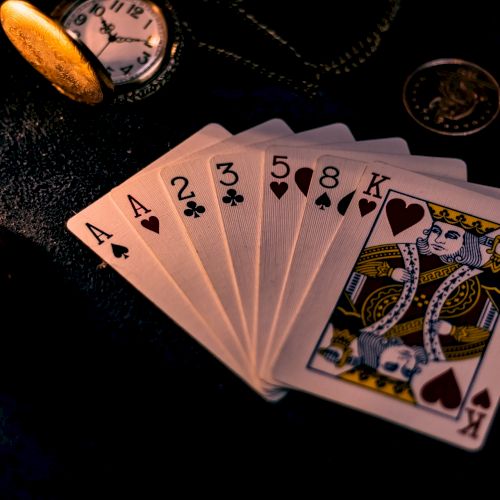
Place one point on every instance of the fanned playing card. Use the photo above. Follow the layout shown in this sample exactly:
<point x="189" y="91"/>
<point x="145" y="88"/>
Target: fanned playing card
<point x="105" y="230"/>
<point x="237" y="179"/>
<point x="332" y="186"/>
<point x="146" y="205"/>
<point x="188" y="188"/>
<point x="287" y="171"/>
<point x="311" y="261"/>
<point x="402" y="319"/>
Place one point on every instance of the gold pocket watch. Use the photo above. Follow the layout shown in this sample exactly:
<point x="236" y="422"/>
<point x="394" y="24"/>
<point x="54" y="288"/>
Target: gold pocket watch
<point x="92" y="49"/>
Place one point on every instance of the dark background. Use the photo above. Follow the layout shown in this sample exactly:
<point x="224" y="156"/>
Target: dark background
<point x="99" y="391"/>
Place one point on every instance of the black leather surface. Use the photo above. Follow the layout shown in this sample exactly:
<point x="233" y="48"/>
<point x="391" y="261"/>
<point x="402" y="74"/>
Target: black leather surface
<point x="97" y="387"/>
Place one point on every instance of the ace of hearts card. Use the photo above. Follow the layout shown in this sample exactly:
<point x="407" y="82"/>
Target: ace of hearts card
<point x="402" y="319"/>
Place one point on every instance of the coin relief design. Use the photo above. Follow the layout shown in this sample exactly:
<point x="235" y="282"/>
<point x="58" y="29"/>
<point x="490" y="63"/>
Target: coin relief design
<point x="452" y="97"/>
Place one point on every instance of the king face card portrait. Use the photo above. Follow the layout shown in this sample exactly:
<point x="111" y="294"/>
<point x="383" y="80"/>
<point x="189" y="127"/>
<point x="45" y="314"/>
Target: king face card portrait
<point x="413" y="332"/>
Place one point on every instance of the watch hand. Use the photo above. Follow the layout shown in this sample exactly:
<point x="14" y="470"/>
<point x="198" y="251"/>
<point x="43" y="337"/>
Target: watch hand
<point x="104" y="48"/>
<point x="107" y="29"/>
<point x="121" y="39"/>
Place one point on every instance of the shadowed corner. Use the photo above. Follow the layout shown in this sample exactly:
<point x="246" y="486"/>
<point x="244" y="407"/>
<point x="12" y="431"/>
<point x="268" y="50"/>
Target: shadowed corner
<point x="46" y="350"/>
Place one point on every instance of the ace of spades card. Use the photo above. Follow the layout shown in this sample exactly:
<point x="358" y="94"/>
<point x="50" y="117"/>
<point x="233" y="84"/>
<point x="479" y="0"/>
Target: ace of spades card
<point x="405" y="309"/>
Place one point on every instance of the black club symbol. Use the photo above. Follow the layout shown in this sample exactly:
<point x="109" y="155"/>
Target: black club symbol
<point x="194" y="209"/>
<point x="233" y="197"/>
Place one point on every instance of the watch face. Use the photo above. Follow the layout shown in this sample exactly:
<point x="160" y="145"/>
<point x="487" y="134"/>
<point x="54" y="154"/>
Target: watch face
<point x="128" y="36"/>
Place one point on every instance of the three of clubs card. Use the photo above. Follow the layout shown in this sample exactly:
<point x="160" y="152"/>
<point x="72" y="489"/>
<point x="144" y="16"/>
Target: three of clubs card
<point x="349" y="269"/>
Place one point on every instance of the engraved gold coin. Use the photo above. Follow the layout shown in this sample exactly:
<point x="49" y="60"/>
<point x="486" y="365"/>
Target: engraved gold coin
<point x="452" y="97"/>
<point x="71" y="68"/>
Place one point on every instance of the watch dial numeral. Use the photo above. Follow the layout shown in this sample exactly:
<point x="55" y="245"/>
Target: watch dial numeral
<point x="116" y="6"/>
<point x="129" y="50"/>
<point x="144" y="58"/>
<point x="97" y="9"/>
<point x="135" y="11"/>
<point x="127" y="69"/>
<point x="80" y="19"/>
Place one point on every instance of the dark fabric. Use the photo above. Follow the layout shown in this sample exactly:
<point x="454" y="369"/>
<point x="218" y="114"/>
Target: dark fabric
<point x="99" y="389"/>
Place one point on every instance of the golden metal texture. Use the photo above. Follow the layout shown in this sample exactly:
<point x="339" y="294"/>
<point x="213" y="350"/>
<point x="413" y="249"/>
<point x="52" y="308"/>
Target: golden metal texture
<point x="54" y="53"/>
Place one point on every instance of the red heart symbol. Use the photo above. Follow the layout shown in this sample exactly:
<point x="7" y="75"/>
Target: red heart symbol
<point x="303" y="178"/>
<point x="482" y="399"/>
<point x="443" y="388"/>
<point x="402" y="217"/>
<point x="365" y="206"/>
<point x="279" y="188"/>
<point x="153" y="224"/>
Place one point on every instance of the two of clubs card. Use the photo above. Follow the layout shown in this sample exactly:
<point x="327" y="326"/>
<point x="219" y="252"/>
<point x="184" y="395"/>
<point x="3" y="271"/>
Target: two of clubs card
<point x="352" y="270"/>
